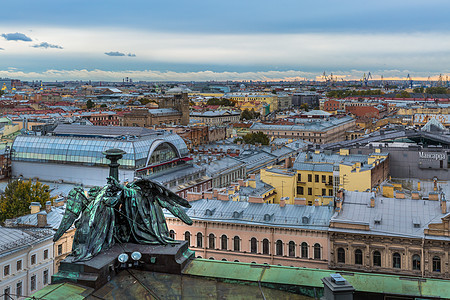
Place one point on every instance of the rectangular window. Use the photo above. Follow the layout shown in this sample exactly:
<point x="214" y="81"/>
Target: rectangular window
<point x="309" y="177"/>
<point x="6" y="270"/>
<point x="33" y="283"/>
<point x="7" y="293"/>
<point x="324" y="192"/>
<point x="45" y="275"/>
<point x="19" y="265"/>
<point x="59" y="249"/>
<point x="46" y="254"/>
<point x="330" y="179"/>
<point x="300" y="190"/>
<point x="309" y="191"/>
<point x="316" y="178"/>
<point x="330" y="192"/>
<point x="19" y="289"/>
<point x="299" y="177"/>
<point x="324" y="179"/>
<point x="33" y="259"/>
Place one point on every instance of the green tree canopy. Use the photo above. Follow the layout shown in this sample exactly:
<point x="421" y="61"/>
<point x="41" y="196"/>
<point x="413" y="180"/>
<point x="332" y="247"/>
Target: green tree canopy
<point x="403" y="94"/>
<point x="90" y="104"/>
<point x="249" y="115"/>
<point x="437" y="90"/>
<point x="353" y="93"/>
<point x="254" y="138"/>
<point x="19" y="194"/>
<point x="223" y="102"/>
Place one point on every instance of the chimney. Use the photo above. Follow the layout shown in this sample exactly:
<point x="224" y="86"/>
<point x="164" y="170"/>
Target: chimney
<point x="338" y="205"/>
<point x="435" y="183"/>
<point x="418" y="185"/>
<point x="215" y="193"/>
<point x="372" y="202"/>
<point x="252" y="176"/>
<point x="282" y="202"/>
<point x="48" y="206"/>
<point x="35" y="207"/>
<point x="443" y="204"/>
<point x="415" y="195"/>
<point x="42" y="219"/>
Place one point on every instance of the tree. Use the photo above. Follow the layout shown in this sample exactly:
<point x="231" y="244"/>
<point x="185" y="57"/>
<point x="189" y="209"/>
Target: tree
<point x="418" y="90"/>
<point x="305" y="107"/>
<point x="90" y="104"/>
<point x="403" y="94"/>
<point x="18" y="196"/>
<point x="223" y="102"/>
<point x="437" y="90"/>
<point x="249" y="114"/>
<point x="103" y="105"/>
<point x="254" y="138"/>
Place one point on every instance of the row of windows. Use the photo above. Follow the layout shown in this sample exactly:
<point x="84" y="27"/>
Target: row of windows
<point x="396" y="260"/>
<point x="7" y="268"/>
<point x="301" y="191"/>
<point x="19" y="286"/>
<point x="236" y="245"/>
<point x="317" y="178"/>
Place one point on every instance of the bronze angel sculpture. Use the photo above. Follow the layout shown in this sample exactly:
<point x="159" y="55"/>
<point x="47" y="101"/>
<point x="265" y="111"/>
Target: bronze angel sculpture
<point x="130" y="213"/>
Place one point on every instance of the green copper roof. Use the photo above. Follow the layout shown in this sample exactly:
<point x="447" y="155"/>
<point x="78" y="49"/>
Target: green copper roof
<point x="62" y="291"/>
<point x="362" y="282"/>
<point x="230" y="276"/>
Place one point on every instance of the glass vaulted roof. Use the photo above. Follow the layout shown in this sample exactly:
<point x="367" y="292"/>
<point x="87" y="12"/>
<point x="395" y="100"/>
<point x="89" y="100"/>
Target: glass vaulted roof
<point x="88" y="151"/>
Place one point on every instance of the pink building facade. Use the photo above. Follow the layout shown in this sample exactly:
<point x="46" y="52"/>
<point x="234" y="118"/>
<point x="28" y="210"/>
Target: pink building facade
<point x="255" y="242"/>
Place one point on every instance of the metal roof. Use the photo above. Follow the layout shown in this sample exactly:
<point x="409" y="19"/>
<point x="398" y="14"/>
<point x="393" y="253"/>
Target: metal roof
<point x="397" y="215"/>
<point x="261" y="213"/>
<point x="14" y="239"/>
<point x="110" y="131"/>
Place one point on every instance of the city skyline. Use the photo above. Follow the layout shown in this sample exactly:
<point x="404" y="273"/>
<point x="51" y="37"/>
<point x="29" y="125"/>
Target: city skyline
<point x="203" y="40"/>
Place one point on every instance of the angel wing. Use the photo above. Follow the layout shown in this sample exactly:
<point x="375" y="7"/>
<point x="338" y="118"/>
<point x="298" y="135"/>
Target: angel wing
<point x="166" y="198"/>
<point x="76" y="202"/>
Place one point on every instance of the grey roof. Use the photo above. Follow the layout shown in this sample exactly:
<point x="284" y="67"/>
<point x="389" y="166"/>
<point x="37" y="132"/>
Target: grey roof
<point x="215" y="113"/>
<point x="163" y="111"/>
<point x="14" y="239"/>
<point x="397" y="215"/>
<point x="111" y="131"/>
<point x="217" y="166"/>
<point x="308" y="125"/>
<point x="318" y="217"/>
<point x="54" y="218"/>
<point x="306" y="160"/>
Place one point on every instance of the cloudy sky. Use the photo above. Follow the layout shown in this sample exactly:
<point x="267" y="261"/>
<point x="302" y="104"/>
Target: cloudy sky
<point x="221" y="40"/>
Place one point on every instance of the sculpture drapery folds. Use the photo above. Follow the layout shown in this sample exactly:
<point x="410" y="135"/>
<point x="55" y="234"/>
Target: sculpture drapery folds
<point x="130" y="213"/>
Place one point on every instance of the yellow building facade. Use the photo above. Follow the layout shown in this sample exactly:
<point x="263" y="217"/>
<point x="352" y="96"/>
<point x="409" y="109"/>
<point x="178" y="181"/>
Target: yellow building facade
<point x="283" y="181"/>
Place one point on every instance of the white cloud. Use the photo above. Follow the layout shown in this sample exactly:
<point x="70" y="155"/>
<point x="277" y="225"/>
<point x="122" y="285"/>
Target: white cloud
<point x="149" y="75"/>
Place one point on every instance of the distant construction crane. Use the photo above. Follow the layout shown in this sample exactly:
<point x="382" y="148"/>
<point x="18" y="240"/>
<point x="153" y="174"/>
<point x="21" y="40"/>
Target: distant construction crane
<point x="409" y="79"/>
<point x="365" y="79"/>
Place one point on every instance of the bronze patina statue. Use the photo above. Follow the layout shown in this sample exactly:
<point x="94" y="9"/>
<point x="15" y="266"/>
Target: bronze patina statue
<point x="130" y="213"/>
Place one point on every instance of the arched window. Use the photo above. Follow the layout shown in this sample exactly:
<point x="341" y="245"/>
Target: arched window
<point x="237" y="243"/>
<point x="358" y="257"/>
<point x="279" y="246"/>
<point x="341" y="255"/>
<point x="224" y="239"/>
<point x="187" y="237"/>
<point x="253" y="245"/>
<point x="436" y="264"/>
<point x="172" y="234"/>
<point x="416" y="262"/>
<point x="317" y="254"/>
<point x="199" y="240"/>
<point x="236" y="260"/>
<point x="224" y="259"/>
<point x="211" y="241"/>
<point x="304" y="250"/>
<point x="265" y="246"/>
<point x="377" y="258"/>
<point x="396" y="260"/>
<point x="291" y="248"/>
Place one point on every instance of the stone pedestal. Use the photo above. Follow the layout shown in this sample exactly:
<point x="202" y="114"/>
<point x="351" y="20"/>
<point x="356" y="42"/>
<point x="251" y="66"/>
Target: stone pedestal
<point x="337" y="290"/>
<point x="101" y="268"/>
